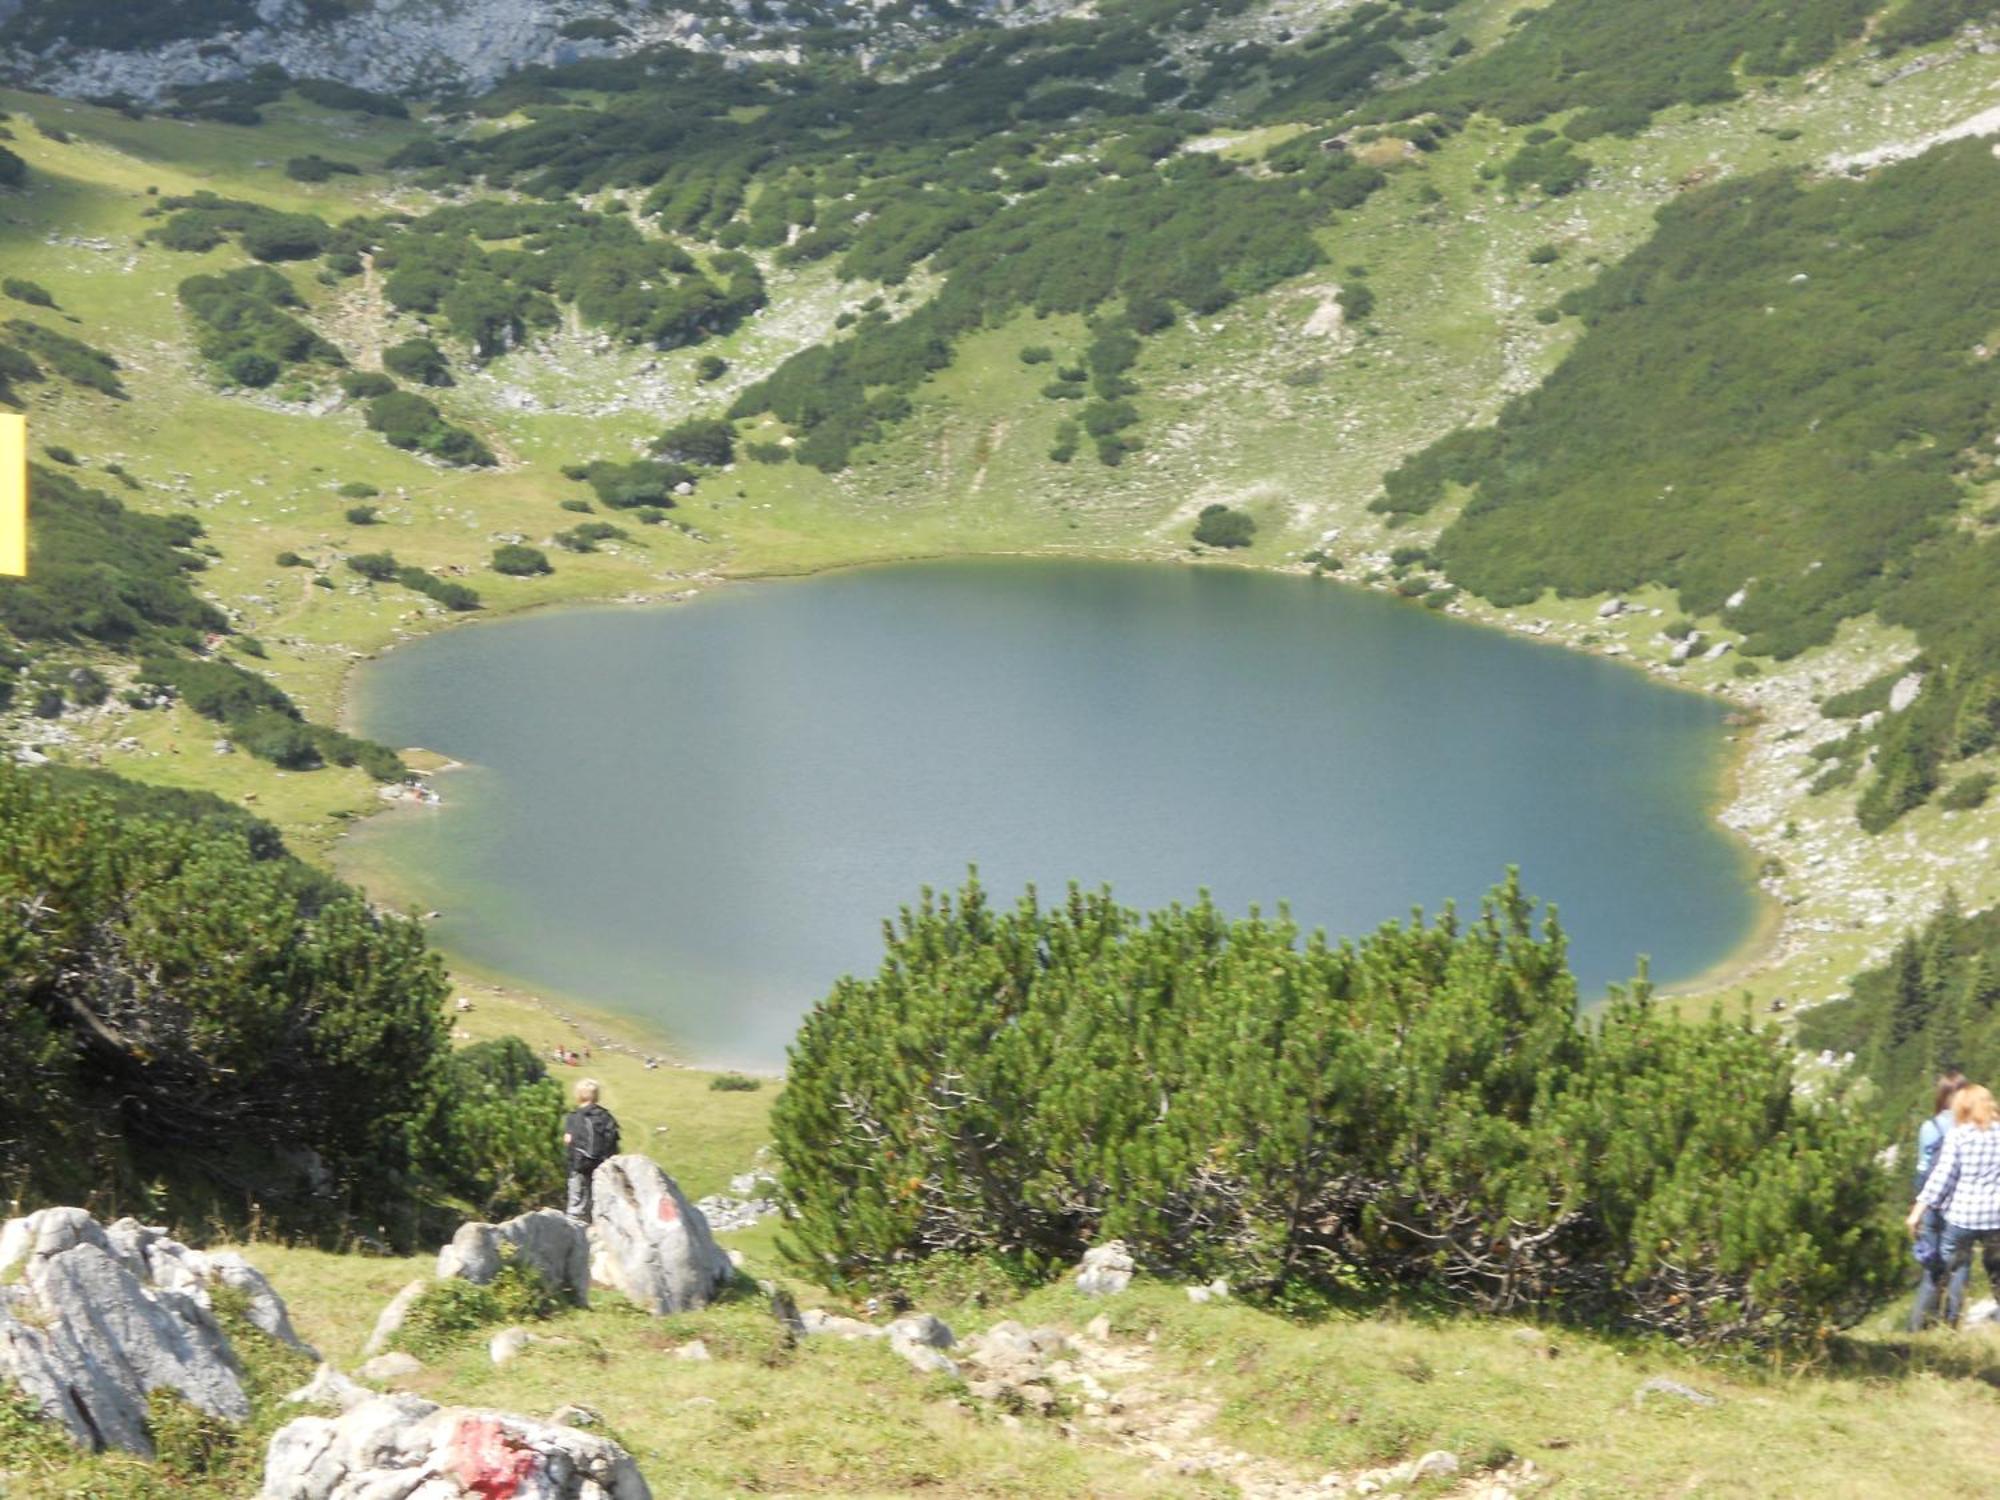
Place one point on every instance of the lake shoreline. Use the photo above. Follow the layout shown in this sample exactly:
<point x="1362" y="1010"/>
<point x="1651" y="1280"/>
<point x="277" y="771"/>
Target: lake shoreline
<point x="1747" y="957"/>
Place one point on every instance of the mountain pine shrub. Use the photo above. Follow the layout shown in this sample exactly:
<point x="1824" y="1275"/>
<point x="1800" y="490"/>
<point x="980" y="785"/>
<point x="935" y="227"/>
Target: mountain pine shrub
<point x="1417" y="1113"/>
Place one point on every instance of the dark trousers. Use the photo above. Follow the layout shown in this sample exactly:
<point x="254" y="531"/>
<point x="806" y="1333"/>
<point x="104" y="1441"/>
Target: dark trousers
<point x="1951" y="1268"/>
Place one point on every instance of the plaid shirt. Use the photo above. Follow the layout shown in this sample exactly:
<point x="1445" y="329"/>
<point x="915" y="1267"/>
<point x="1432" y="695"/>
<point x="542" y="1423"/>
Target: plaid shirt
<point x="1965" y="1183"/>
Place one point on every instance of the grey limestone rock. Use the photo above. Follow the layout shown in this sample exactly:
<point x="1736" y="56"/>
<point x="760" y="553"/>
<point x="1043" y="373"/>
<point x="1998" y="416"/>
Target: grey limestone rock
<point x="544" y="1240"/>
<point x="391" y="1319"/>
<point x="400" y="1448"/>
<point x="1105" y="1269"/>
<point x="97" y="1320"/>
<point x="1673" y="1390"/>
<point x="395" y="1365"/>
<point x="650" y="1242"/>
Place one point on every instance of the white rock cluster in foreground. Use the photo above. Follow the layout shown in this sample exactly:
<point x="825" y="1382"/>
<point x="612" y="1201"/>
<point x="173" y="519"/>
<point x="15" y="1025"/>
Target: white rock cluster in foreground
<point x="403" y="1448"/>
<point x="95" y="1318"/>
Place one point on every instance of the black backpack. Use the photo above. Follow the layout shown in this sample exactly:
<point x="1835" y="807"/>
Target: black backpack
<point x="596" y="1134"/>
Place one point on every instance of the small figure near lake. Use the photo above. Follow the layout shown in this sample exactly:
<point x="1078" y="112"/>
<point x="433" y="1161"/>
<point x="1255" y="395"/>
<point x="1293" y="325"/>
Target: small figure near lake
<point x="1930" y="1141"/>
<point x="590" y="1138"/>
<point x="1964" y="1188"/>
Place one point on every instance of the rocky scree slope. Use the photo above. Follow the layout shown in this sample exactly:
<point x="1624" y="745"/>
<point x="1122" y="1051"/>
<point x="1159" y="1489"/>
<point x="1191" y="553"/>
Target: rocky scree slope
<point x="391" y="46"/>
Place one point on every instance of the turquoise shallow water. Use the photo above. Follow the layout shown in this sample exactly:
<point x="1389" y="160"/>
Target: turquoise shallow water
<point x="701" y="814"/>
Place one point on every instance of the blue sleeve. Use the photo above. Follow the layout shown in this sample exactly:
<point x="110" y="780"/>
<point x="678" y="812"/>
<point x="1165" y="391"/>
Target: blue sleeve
<point x="1929" y="1138"/>
<point x="1944" y="1176"/>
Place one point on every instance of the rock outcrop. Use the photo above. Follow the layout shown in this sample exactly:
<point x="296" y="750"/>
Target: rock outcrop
<point x="648" y="1241"/>
<point x="423" y="44"/>
<point x="100" y="1317"/>
<point x="390" y="1322"/>
<point x="544" y="1241"/>
<point x="403" y="1448"/>
<point x="1105" y="1269"/>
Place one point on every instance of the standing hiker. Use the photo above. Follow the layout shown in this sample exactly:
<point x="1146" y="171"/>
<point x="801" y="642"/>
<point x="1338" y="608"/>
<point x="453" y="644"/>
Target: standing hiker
<point x="1964" y="1186"/>
<point x="1930" y="1230"/>
<point x="590" y="1138"/>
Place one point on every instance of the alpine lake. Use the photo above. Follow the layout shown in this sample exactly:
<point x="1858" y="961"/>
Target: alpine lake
<point x="700" y="814"/>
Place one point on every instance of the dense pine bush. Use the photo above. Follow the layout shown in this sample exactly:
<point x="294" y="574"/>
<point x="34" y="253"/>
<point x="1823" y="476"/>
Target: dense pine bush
<point x="1417" y="1113"/>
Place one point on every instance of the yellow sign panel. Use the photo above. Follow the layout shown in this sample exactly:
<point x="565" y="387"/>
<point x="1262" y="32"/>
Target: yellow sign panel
<point x="13" y="495"/>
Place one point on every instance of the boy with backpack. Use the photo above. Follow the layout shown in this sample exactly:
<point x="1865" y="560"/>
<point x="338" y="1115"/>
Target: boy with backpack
<point x="590" y="1138"/>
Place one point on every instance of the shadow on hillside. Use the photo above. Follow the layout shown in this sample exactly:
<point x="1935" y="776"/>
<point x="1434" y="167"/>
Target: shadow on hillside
<point x="1952" y="1356"/>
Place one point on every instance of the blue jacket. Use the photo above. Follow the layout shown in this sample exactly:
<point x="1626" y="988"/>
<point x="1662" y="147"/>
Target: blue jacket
<point x="1930" y="1140"/>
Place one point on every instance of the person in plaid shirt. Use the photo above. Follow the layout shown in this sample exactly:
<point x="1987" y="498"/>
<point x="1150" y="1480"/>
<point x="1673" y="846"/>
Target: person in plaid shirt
<point x="1964" y="1186"/>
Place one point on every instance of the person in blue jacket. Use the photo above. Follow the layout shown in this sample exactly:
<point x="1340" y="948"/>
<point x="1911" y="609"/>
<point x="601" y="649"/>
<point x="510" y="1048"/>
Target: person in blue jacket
<point x="1930" y="1231"/>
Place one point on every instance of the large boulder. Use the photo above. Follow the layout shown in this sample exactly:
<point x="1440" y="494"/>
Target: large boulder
<point x="546" y="1241"/>
<point x="93" y="1320"/>
<point x="1106" y="1269"/>
<point x="649" y="1241"/>
<point x="404" y="1448"/>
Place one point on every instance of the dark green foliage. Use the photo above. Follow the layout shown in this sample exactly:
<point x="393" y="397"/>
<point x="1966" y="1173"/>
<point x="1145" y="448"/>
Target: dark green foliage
<point x="99" y="572"/>
<point x="16" y="369"/>
<point x="317" y="168"/>
<point x="358" y="489"/>
<point x="698" y="440"/>
<point x="1917" y="23"/>
<point x="59" y="354"/>
<point x="594" y="29"/>
<point x="585" y="536"/>
<point x="409" y="421"/>
<point x="132" y="26"/>
<point x="500" y="1113"/>
<point x="171" y="998"/>
<point x="1199" y="236"/>
<point x="365" y="385"/>
<point x="1627" y="55"/>
<point x="734" y="1083"/>
<point x="1544" y="255"/>
<point x="642" y="289"/>
<point x="1220" y="526"/>
<point x="1935" y="1003"/>
<point x="203" y="221"/>
<point x="640" y="482"/>
<point x="13" y="170"/>
<point x="31" y="292"/>
<point x="1967" y="792"/>
<point x="290" y="559"/>
<point x="1627" y="119"/>
<point x="246" y="367"/>
<point x="710" y="367"/>
<point x="418" y="359"/>
<point x="1552" y="165"/>
<point x="330" y="94"/>
<point x="453" y="596"/>
<point x="57" y="453"/>
<point x="1416" y="1113"/>
<point x="245" y="325"/>
<point x="1832" y="445"/>
<point x="376" y="567"/>
<point x="362" y="515"/>
<point x="520" y="561"/>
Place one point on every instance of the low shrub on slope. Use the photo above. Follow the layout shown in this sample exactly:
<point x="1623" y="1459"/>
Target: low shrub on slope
<point x="192" y="1024"/>
<point x="1416" y="1113"/>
